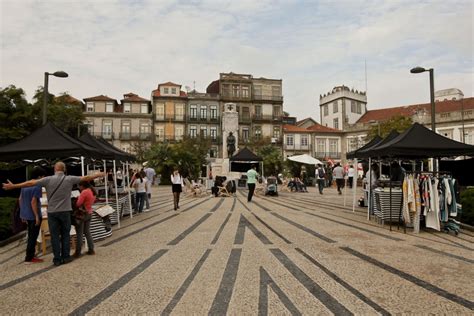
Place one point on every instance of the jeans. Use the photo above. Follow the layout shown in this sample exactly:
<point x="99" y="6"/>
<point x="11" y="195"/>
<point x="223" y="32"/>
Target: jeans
<point x="33" y="232"/>
<point x="349" y="181"/>
<point x="59" y="228"/>
<point x="83" y="227"/>
<point x="321" y="185"/>
<point x="141" y="196"/>
<point x="251" y="190"/>
<point x="340" y="185"/>
<point x="147" y="200"/>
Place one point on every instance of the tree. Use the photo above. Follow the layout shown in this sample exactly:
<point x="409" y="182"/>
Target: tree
<point x="254" y="143"/>
<point x="16" y="114"/>
<point x="140" y="149"/>
<point x="398" y="123"/>
<point x="272" y="159"/>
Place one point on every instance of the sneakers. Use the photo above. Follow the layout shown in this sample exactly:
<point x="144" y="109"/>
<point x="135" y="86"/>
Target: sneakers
<point x="34" y="260"/>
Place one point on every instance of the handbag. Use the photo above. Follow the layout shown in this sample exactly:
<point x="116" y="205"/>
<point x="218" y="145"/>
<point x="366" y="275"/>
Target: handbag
<point x="78" y="213"/>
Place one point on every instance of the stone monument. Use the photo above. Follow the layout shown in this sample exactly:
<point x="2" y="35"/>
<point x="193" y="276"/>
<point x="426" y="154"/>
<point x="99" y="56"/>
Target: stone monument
<point x="230" y="128"/>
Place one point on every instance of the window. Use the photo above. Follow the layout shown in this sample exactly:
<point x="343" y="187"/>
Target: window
<point x="166" y="90"/>
<point x="144" y="108"/>
<point x="173" y="90"/>
<point x="235" y="90"/>
<point x="333" y="146"/>
<point x="245" y="91"/>
<point x="326" y="110"/>
<point x="276" y="111"/>
<point x="178" y="132"/>
<point x="258" y="132"/>
<point x="213" y="112"/>
<point x="90" y="127"/>
<point x="353" y="106"/>
<point x="107" y="129"/>
<point x="335" y="107"/>
<point x="321" y="146"/>
<point x="276" y="132"/>
<point x="304" y="140"/>
<point x="352" y="144"/>
<point x="160" y="132"/>
<point x="127" y="107"/>
<point x="336" y="123"/>
<point x="276" y="91"/>
<point x="257" y="90"/>
<point x="203" y="113"/>
<point x="246" y="113"/>
<point x="90" y="106"/>
<point x="245" y="134"/>
<point x="359" y="108"/>
<point x="469" y="136"/>
<point x="192" y="131"/>
<point x="160" y="111"/>
<point x="289" y="140"/>
<point x="126" y="127"/>
<point x="213" y="132"/>
<point x="226" y="90"/>
<point x="144" y="128"/>
<point x="179" y="112"/>
<point x="193" y="112"/>
<point x="258" y="111"/>
<point x="204" y="131"/>
<point x="109" y="107"/>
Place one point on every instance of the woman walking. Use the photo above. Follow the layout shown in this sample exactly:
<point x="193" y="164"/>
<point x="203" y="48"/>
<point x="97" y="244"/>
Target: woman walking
<point x="177" y="183"/>
<point x="85" y="200"/>
<point x="140" y="184"/>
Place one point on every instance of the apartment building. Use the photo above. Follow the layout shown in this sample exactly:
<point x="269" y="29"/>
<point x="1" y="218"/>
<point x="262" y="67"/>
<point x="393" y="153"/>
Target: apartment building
<point x="169" y="112"/>
<point x="123" y="124"/>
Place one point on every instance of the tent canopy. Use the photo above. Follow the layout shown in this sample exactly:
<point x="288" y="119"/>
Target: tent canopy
<point x="368" y="152"/>
<point x="112" y="151"/>
<point x="306" y="159"/>
<point x="245" y="155"/>
<point x="421" y="142"/>
<point x="48" y="142"/>
<point x="374" y="141"/>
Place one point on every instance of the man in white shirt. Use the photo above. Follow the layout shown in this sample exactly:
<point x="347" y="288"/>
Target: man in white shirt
<point x="350" y="175"/>
<point x="320" y="178"/>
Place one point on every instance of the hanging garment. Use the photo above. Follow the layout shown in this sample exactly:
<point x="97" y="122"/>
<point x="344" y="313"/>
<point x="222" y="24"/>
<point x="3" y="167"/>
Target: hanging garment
<point x="405" y="207"/>
<point x="432" y="217"/>
<point x="453" y="209"/>
<point x="426" y="195"/>
<point x="416" y="220"/>
<point x="443" y="214"/>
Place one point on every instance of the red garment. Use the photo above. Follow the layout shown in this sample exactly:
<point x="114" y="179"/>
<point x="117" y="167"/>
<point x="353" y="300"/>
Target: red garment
<point x="87" y="198"/>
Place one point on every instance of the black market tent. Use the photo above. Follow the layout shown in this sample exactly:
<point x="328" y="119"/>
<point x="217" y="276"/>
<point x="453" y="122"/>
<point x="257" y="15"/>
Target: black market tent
<point x="48" y="142"/>
<point x="112" y="152"/>
<point x="368" y="152"/>
<point x="242" y="160"/>
<point x="421" y="142"/>
<point x="374" y="141"/>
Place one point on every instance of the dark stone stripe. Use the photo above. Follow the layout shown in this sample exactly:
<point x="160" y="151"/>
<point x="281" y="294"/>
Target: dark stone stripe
<point x="189" y="230"/>
<point x="148" y="226"/>
<point x="226" y="287"/>
<point x="182" y="289"/>
<point x="303" y="228"/>
<point x="351" y="289"/>
<point x="445" y="253"/>
<point x="450" y="241"/>
<point x="24" y="278"/>
<point x="265" y="224"/>
<point x="265" y="281"/>
<point x="324" y="297"/>
<point x="217" y="205"/>
<point x="219" y="232"/>
<point x="117" y="285"/>
<point x="233" y="204"/>
<point x="11" y="257"/>
<point x="427" y="286"/>
<point x="239" y="235"/>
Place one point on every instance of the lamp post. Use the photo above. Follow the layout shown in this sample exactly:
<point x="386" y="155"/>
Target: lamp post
<point x="60" y="74"/>
<point x="418" y="70"/>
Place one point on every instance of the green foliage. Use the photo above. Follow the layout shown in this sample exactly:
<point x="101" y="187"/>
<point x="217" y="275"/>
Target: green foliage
<point x="254" y="143"/>
<point x="7" y="205"/>
<point x="398" y="123"/>
<point x="189" y="155"/>
<point x="467" y="201"/>
<point x="272" y="160"/>
<point x="292" y="168"/>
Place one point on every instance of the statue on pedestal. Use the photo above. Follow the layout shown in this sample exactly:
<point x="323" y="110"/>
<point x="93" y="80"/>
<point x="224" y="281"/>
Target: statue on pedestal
<point x="230" y="145"/>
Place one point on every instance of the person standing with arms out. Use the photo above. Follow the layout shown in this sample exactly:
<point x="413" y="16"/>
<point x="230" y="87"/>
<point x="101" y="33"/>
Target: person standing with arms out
<point x="251" y="181"/>
<point x="140" y="184"/>
<point x="83" y="227"/>
<point x="177" y="187"/>
<point x="320" y="178"/>
<point x="350" y="175"/>
<point x="30" y="212"/>
<point x="338" y="173"/>
<point x="58" y="189"/>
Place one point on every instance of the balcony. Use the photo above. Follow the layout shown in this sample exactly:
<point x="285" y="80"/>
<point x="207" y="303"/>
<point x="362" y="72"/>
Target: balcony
<point x="170" y="117"/>
<point x="296" y="147"/>
<point x="104" y="135"/>
<point x="261" y="117"/>
<point x="266" y="97"/>
<point x="135" y="136"/>
<point x="203" y="119"/>
<point x="328" y="154"/>
<point x="245" y="119"/>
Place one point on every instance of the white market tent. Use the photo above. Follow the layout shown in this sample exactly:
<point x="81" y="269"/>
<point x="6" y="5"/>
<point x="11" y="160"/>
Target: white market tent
<point x="306" y="159"/>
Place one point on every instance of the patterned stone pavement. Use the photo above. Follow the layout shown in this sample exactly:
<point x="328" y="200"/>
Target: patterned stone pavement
<point x="299" y="253"/>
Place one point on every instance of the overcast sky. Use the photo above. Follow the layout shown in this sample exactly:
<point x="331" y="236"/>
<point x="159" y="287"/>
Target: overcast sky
<point x="115" y="47"/>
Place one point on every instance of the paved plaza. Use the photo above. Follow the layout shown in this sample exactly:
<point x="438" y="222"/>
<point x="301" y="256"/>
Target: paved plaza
<point x="299" y="253"/>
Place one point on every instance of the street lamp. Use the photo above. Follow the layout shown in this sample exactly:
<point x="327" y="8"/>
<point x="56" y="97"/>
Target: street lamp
<point x="418" y="70"/>
<point x="60" y="74"/>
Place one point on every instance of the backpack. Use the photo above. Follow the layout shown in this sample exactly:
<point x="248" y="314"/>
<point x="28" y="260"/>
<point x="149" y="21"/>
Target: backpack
<point x="320" y="173"/>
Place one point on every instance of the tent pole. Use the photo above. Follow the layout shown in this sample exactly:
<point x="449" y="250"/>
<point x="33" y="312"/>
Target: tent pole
<point x="82" y="165"/>
<point x="127" y="165"/>
<point x="345" y="186"/>
<point x="87" y="169"/>
<point x="106" y="184"/>
<point x="370" y="189"/>
<point x="354" y="185"/>
<point x="116" y="195"/>
<point x="390" y="188"/>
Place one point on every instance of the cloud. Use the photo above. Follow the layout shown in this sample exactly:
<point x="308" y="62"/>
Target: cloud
<point x="114" y="47"/>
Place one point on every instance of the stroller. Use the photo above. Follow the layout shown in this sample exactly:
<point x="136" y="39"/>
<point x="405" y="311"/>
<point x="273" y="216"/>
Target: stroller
<point x="272" y="186"/>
